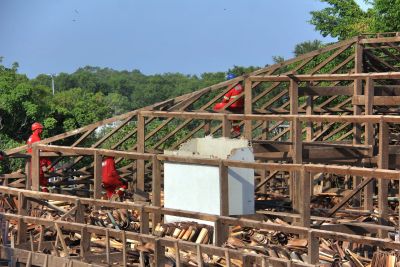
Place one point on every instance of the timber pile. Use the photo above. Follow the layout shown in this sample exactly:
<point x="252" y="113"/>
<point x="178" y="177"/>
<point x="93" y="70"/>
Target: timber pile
<point x="188" y="231"/>
<point x="291" y="247"/>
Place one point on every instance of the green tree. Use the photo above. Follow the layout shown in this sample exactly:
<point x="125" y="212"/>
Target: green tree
<point x="342" y="19"/>
<point x="307" y="46"/>
<point x="386" y="15"/>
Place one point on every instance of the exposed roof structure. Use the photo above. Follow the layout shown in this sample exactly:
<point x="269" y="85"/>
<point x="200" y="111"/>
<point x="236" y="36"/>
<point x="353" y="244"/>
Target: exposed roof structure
<point x="328" y="113"/>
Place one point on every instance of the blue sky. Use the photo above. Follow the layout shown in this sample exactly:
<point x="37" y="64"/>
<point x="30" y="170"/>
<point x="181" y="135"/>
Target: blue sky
<point x="154" y="36"/>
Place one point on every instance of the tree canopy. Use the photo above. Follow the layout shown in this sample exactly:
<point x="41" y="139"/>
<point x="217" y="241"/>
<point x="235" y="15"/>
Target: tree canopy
<point x="345" y="19"/>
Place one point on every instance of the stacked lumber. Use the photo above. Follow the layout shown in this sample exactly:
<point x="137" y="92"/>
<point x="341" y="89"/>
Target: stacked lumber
<point x="188" y="231"/>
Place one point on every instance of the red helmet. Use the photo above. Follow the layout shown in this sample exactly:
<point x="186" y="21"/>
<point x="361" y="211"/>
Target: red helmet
<point x="36" y="125"/>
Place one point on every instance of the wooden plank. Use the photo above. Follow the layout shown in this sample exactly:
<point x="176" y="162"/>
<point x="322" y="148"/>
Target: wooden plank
<point x="140" y="168"/>
<point x="226" y="127"/>
<point x="327" y="77"/>
<point x="304" y="198"/>
<point x="97" y="176"/>
<point x="35" y="168"/>
<point x="325" y="90"/>
<point x="383" y="163"/>
<point x="309" y="124"/>
<point x="377" y="100"/>
<point x="248" y="108"/>
<point x="156" y="188"/>
<point x="224" y="189"/>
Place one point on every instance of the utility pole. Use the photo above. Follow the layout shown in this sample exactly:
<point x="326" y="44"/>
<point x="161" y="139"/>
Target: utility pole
<point x="52" y="81"/>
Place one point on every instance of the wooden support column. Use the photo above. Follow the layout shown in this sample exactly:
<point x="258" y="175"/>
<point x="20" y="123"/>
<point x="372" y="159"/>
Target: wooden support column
<point x="304" y="204"/>
<point x="35" y="168"/>
<point x="97" y="179"/>
<point x="224" y="189"/>
<point x="295" y="137"/>
<point x="309" y="124"/>
<point x="357" y="129"/>
<point x="313" y="248"/>
<point x="221" y="233"/>
<point x="140" y="149"/>
<point x="248" y="108"/>
<point x="207" y="127"/>
<point x="369" y="139"/>
<point x="85" y="243"/>
<point x="265" y="130"/>
<point x="144" y="221"/>
<point x="28" y="172"/>
<point x="159" y="253"/>
<point x="156" y="189"/>
<point x="358" y="68"/>
<point x="226" y="126"/>
<point x="22" y="226"/>
<point x="383" y="163"/>
<point x="297" y="158"/>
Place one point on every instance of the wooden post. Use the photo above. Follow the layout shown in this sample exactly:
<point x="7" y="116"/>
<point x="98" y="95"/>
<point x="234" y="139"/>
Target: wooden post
<point x="265" y="130"/>
<point x="22" y="226"/>
<point x="141" y="149"/>
<point x="207" y="127"/>
<point x="369" y="139"/>
<point x="383" y="163"/>
<point x="294" y="137"/>
<point x="97" y="179"/>
<point x="313" y="248"/>
<point x="358" y="68"/>
<point x="144" y="221"/>
<point x="28" y="172"/>
<point x="248" y="106"/>
<point x="159" y="253"/>
<point x="85" y="243"/>
<point x="224" y="189"/>
<point x="221" y="233"/>
<point x="309" y="124"/>
<point x="156" y="187"/>
<point x="35" y="168"/>
<point x="305" y="193"/>
<point x="124" y="252"/>
<point x="226" y="127"/>
<point x="297" y="157"/>
<point x="357" y="129"/>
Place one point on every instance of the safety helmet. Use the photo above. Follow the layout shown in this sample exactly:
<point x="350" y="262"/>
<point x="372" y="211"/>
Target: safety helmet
<point x="230" y="76"/>
<point x="36" y="125"/>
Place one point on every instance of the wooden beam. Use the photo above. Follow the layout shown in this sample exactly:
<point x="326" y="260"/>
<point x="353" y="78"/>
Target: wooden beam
<point x="248" y="100"/>
<point x="140" y="149"/>
<point x="383" y="163"/>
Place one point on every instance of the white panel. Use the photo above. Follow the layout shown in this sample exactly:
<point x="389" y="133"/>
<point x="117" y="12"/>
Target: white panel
<point x="241" y="184"/>
<point x="191" y="187"/>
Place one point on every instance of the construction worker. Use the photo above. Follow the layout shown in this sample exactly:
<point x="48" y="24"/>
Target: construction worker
<point x="112" y="182"/>
<point x="235" y="107"/>
<point x="45" y="163"/>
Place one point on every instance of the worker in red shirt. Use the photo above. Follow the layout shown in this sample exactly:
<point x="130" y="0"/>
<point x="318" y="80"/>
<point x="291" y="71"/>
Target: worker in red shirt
<point x="235" y="107"/>
<point x="112" y="182"/>
<point x="45" y="163"/>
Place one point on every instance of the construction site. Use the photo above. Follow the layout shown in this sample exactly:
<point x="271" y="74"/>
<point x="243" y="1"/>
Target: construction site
<point x="310" y="179"/>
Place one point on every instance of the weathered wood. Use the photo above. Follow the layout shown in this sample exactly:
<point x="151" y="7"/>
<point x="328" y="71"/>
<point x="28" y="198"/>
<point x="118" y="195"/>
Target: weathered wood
<point x="156" y="187"/>
<point x="224" y="188"/>
<point x="383" y="162"/>
<point x="140" y="168"/>
<point x="248" y="100"/>
<point x="97" y="179"/>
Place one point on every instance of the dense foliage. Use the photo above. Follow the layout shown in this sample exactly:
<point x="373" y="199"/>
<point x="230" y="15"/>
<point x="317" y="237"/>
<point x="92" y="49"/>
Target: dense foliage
<point x="345" y="18"/>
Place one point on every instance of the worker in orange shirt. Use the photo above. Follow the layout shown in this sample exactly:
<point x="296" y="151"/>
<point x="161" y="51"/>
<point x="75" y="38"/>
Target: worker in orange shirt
<point x="112" y="182"/>
<point x="45" y="163"/>
<point x="235" y="107"/>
